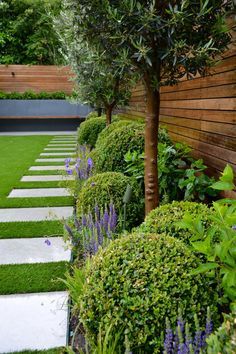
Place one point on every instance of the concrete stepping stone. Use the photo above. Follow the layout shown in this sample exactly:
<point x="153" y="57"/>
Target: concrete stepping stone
<point x="35" y="214"/>
<point x="47" y="168"/>
<point x="33" y="321"/>
<point x="59" y="145"/>
<point x="60" y="148"/>
<point x="34" y="250"/>
<point x="57" y="153"/>
<point x="59" y="159"/>
<point x="39" y="192"/>
<point x="62" y="141"/>
<point x="47" y="178"/>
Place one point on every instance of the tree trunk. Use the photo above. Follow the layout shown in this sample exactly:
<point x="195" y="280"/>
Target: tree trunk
<point x="151" y="141"/>
<point x="108" y="114"/>
<point x="99" y="111"/>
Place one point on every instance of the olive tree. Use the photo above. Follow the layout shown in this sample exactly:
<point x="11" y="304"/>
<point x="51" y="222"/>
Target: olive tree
<point x="165" y="41"/>
<point x="101" y="80"/>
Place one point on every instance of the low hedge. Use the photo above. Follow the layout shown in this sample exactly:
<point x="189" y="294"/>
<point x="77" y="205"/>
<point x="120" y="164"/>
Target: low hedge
<point x="102" y="188"/>
<point x="30" y="95"/>
<point x="137" y="282"/>
<point x="165" y="218"/>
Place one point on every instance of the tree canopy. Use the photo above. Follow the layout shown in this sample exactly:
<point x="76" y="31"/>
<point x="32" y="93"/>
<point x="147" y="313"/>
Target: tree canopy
<point x="26" y="32"/>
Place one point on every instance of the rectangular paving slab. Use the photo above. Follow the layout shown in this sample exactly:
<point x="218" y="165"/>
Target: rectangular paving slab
<point x="57" y="153"/>
<point x="60" y="148"/>
<point x="47" y="168"/>
<point x="64" y="145"/>
<point x="47" y="178"/>
<point x="34" y="250"/>
<point x="33" y="321"/>
<point x="56" y="159"/>
<point x="62" y="141"/>
<point x="35" y="214"/>
<point x="39" y="192"/>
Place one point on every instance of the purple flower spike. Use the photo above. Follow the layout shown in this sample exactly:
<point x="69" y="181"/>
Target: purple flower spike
<point x="69" y="172"/>
<point x="48" y="243"/>
<point x="90" y="163"/>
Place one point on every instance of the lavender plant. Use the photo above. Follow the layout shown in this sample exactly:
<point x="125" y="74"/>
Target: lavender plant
<point x="92" y="230"/>
<point x="182" y="341"/>
<point x="82" y="169"/>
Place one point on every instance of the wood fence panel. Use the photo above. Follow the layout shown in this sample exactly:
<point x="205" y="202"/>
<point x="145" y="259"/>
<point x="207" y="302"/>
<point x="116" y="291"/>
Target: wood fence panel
<point x="200" y="112"/>
<point x="49" y="78"/>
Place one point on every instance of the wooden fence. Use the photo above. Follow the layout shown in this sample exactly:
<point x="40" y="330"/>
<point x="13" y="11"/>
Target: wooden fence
<point x="37" y="78"/>
<point x="200" y="112"/>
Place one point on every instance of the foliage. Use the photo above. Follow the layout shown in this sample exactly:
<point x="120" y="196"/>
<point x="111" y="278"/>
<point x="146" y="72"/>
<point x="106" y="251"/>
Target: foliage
<point x="224" y="339"/>
<point x="30" y="95"/>
<point x="92" y="114"/>
<point x="162" y="41"/>
<point x="182" y="341"/>
<point x="226" y="180"/>
<point x="100" y="82"/>
<point x="138" y="281"/>
<point x="26" y="32"/>
<point x="89" y="232"/>
<point x="180" y="176"/>
<point x="89" y="130"/>
<point x="220" y="251"/>
<point x="165" y="218"/>
<point x="111" y="186"/>
<point x="110" y="150"/>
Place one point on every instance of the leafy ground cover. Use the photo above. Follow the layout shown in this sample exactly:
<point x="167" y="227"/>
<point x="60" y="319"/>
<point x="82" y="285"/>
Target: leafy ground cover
<point x="30" y="278"/>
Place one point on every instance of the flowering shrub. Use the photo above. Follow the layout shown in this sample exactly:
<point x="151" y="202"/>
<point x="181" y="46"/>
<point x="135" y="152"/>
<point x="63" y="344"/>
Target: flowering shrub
<point x="82" y="169"/>
<point x="100" y="189"/>
<point x="138" y="281"/>
<point x="181" y="341"/>
<point x="93" y="230"/>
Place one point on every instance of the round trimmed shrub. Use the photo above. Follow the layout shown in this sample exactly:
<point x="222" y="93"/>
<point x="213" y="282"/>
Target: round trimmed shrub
<point x="165" y="217"/>
<point x="91" y="115"/>
<point x="112" y="146"/>
<point x="140" y="280"/>
<point x="102" y="188"/>
<point x="89" y="130"/>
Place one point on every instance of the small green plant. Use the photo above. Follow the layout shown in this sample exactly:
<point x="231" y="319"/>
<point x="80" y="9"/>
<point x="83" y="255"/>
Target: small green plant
<point x="180" y="176"/>
<point x="218" y="241"/>
<point x="224" y="339"/>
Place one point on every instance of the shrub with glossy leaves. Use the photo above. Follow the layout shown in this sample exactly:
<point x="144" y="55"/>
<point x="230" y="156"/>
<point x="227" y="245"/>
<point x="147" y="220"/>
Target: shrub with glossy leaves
<point x="89" y="130"/>
<point x="103" y="188"/>
<point x="165" y="218"/>
<point x="140" y="280"/>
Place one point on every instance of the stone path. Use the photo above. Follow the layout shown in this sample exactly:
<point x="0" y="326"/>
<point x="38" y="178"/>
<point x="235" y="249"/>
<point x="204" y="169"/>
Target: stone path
<point x="37" y="321"/>
<point x="39" y="192"/>
<point x="47" y="178"/>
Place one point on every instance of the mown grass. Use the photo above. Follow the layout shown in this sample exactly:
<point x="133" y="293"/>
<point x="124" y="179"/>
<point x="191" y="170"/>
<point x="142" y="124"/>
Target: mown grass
<point x="31" y="278"/>
<point x="49" y="351"/>
<point x="36" y="202"/>
<point x="31" y="229"/>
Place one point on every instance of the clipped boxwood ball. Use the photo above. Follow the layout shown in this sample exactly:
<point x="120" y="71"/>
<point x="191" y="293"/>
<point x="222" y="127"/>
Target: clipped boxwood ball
<point x="165" y="217"/>
<point x="88" y="131"/>
<point x="137" y="282"/>
<point x="92" y="115"/>
<point x="111" y="186"/>
<point x="111" y="148"/>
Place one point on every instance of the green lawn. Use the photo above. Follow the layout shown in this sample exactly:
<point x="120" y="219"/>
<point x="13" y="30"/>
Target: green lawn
<point x="49" y="351"/>
<point x="31" y="278"/>
<point x="31" y="229"/>
<point x="18" y="154"/>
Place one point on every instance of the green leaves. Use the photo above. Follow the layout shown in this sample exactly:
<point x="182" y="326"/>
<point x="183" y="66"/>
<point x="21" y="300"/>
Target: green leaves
<point x="226" y="182"/>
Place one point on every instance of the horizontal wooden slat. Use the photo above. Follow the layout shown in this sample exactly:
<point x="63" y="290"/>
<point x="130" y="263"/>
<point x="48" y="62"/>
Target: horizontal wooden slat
<point x="213" y="115"/>
<point x="219" y="104"/>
